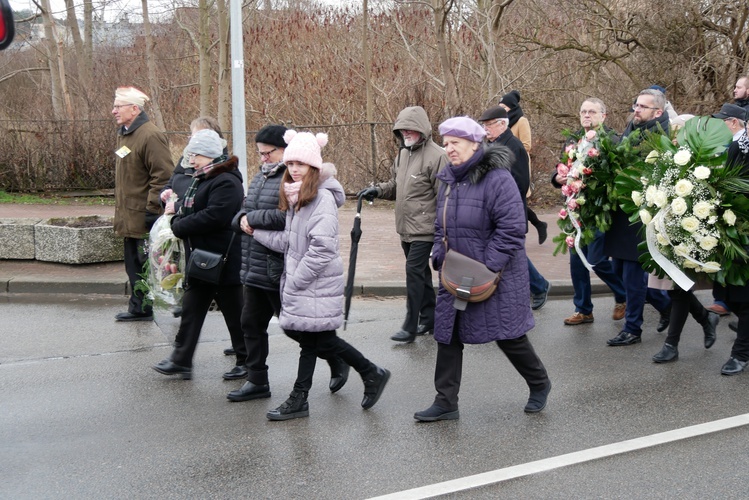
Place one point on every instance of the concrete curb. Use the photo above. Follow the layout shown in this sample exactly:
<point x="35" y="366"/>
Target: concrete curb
<point x="559" y="288"/>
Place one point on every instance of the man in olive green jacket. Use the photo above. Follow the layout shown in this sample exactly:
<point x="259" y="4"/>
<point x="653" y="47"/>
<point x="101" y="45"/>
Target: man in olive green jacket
<point x="414" y="188"/>
<point x="143" y="165"/>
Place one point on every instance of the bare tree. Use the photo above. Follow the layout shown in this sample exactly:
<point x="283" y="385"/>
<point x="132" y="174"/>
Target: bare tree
<point x="153" y="81"/>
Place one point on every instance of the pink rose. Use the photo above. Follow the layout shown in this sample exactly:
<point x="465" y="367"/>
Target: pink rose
<point x="570" y="241"/>
<point x="563" y="214"/>
<point x="567" y="190"/>
<point x="572" y="204"/>
<point x="590" y="135"/>
<point x="562" y="169"/>
<point x="587" y="170"/>
<point x="593" y="152"/>
<point x="569" y="148"/>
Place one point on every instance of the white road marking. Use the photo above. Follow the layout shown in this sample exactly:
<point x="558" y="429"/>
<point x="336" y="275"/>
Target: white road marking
<point x="547" y="464"/>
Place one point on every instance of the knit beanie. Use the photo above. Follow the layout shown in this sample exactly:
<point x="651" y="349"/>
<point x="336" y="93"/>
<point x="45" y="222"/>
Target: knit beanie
<point x="511" y="99"/>
<point x="463" y="127"/>
<point x="272" y="134"/>
<point x="304" y="147"/>
<point x="206" y="143"/>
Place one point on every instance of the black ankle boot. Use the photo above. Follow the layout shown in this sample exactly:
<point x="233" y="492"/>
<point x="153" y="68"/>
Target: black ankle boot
<point x="667" y="354"/>
<point x="709" y="326"/>
<point x="294" y="407"/>
<point x="374" y="384"/>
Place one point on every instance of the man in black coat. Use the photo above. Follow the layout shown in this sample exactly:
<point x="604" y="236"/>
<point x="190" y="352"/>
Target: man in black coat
<point x="495" y="122"/>
<point x="623" y="237"/>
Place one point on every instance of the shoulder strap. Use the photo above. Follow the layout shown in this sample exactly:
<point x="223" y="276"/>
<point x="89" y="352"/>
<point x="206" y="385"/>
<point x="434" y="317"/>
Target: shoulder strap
<point x="444" y="216"/>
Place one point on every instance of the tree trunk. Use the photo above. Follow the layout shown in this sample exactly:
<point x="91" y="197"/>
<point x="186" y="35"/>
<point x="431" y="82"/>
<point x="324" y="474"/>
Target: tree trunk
<point x="60" y="100"/>
<point x="452" y="105"/>
<point x="204" y="64"/>
<point x="224" y="66"/>
<point x="84" y="76"/>
<point x="153" y="81"/>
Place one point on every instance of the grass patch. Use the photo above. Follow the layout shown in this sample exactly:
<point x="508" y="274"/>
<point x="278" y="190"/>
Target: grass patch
<point x="54" y="199"/>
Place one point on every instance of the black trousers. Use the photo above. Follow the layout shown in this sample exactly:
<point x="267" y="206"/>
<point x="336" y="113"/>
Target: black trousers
<point x="683" y="304"/>
<point x="740" y="349"/>
<point x="259" y="307"/>
<point x="326" y="345"/>
<point x="195" y="304"/>
<point x="420" y="296"/>
<point x="135" y="259"/>
<point x="449" y="369"/>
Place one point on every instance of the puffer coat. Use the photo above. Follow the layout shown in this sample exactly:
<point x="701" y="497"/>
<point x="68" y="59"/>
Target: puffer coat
<point x="485" y="221"/>
<point x="217" y="199"/>
<point x="312" y="282"/>
<point x="261" y="267"/>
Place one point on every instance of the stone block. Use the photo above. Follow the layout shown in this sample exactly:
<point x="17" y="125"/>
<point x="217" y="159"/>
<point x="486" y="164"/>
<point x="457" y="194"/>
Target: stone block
<point x="17" y="238"/>
<point x="77" y="240"/>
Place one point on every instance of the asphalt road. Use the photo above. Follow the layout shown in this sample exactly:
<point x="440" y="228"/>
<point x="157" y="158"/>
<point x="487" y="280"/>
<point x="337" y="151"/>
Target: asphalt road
<point x="82" y="415"/>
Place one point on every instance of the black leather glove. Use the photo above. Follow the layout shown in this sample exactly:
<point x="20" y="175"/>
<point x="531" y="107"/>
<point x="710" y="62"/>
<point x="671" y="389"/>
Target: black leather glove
<point x="368" y="194"/>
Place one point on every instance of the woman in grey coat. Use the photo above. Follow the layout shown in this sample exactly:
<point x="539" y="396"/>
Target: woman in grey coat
<point x="312" y="281"/>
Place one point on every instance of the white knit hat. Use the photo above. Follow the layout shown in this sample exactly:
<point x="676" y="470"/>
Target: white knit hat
<point x="304" y="147"/>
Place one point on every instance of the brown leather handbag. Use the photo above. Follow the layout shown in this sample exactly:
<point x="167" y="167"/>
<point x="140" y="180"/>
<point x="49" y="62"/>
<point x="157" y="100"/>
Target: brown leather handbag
<point x="467" y="279"/>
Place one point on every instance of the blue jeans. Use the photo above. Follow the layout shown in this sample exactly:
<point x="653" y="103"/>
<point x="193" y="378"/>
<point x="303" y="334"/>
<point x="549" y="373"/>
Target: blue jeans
<point x="538" y="282"/>
<point x="635" y="281"/>
<point x="603" y="268"/>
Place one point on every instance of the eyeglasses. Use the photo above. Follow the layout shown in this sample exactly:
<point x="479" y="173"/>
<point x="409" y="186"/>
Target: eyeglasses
<point x="640" y="106"/>
<point x="488" y="124"/>
<point x="589" y="112"/>
<point x="265" y="154"/>
<point x="118" y="106"/>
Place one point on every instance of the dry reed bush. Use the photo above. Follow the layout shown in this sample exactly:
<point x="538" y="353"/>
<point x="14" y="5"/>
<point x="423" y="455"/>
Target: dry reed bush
<point x="303" y="68"/>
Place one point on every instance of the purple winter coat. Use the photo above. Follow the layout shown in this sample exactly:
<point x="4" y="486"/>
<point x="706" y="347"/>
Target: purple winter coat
<point x="485" y="221"/>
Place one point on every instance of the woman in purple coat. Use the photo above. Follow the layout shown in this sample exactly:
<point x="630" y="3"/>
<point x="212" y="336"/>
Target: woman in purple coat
<point x="485" y="220"/>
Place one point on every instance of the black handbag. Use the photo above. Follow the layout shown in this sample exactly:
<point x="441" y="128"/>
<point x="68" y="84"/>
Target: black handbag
<point x="467" y="279"/>
<point x="207" y="266"/>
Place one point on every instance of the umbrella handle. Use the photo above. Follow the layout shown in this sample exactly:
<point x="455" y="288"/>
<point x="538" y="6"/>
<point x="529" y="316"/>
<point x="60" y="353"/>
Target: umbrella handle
<point x="358" y="204"/>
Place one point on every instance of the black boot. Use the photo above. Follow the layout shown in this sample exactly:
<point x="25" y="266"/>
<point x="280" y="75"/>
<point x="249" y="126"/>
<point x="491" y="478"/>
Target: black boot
<point x="374" y="384"/>
<point x="294" y="407"/>
<point x="667" y="354"/>
<point x="338" y="374"/>
<point x="709" y="326"/>
<point x="664" y="321"/>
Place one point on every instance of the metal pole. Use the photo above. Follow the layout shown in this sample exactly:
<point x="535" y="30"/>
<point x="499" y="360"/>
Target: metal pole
<point x="239" y="131"/>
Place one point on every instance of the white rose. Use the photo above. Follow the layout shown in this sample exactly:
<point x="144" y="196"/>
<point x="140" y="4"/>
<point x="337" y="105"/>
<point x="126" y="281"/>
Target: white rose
<point x="652" y="157"/>
<point x="637" y="198"/>
<point x="662" y="240"/>
<point x="708" y="242"/>
<point x="581" y="200"/>
<point x="712" y="219"/>
<point x="645" y="217"/>
<point x="729" y="217"/>
<point x="682" y="157"/>
<point x="650" y="194"/>
<point x="688" y="264"/>
<point x="571" y="154"/>
<point x="702" y="209"/>
<point x="681" y="250"/>
<point x="644" y="181"/>
<point x="660" y="198"/>
<point x="690" y="224"/>
<point x="683" y="188"/>
<point x="679" y="206"/>
<point x="711" y="267"/>
<point x="702" y="172"/>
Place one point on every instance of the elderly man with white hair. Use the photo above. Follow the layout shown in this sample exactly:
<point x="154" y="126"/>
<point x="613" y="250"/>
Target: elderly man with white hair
<point x="143" y="165"/>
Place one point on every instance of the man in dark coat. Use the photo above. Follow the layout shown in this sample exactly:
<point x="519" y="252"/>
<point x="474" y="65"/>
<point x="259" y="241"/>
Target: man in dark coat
<point x="143" y="165"/>
<point x="623" y="237"/>
<point x="496" y="123"/>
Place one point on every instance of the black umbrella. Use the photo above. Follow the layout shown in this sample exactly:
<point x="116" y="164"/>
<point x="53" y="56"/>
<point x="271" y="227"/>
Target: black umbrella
<point x="355" y="237"/>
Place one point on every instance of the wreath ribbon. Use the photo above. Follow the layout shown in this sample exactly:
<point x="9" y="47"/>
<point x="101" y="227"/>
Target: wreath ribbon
<point x="676" y="274"/>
